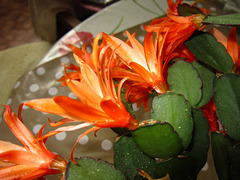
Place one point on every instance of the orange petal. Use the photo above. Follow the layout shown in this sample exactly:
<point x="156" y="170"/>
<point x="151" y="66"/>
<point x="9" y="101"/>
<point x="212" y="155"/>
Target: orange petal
<point x="15" y="171"/>
<point x="7" y="146"/>
<point x="122" y="73"/>
<point x="232" y="45"/>
<point x="46" y="105"/>
<point x="22" y="157"/>
<point x="220" y="37"/>
<point x="18" y="128"/>
<point x="127" y="53"/>
<point x="135" y="44"/>
<point x="85" y="93"/>
<point x="61" y="122"/>
<point x="63" y="129"/>
<point x="37" y="174"/>
<point x="91" y="79"/>
<point x="141" y="71"/>
<point x="150" y="53"/>
<point x="78" y="110"/>
<point x="119" y="116"/>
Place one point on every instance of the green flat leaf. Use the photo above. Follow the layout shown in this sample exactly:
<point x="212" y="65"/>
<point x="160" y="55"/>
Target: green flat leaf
<point x="227" y="100"/>
<point x="228" y="19"/>
<point x="89" y="169"/>
<point x="207" y="49"/>
<point x="200" y="141"/>
<point x="174" y="109"/>
<point x="207" y="76"/>
<point x="184" y="79"/>
<point x="235" y="163"/>
<point x="180" y="168"/>
<point x="158" y="140"/>
<point x="128" y="157"/>
<point x="220" y="155"/>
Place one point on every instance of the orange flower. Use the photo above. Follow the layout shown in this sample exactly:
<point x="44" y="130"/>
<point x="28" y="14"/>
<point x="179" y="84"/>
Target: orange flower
<point x="100" y="105"/>
<point x="231" y="45"/>
<point x="178" y="27"/>
<point x="31" y="161"/>
<point x="145" y="61"/>
<point x="209" y="111"/>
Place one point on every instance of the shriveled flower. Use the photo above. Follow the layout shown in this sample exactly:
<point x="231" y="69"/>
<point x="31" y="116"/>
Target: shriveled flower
<point x="99" y="104"/>
<point x="30" y="161"/>
<point x="178" y="26"/>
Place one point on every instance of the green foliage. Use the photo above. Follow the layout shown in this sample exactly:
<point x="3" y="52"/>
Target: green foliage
<point x="158" y="140"/>
<point x="199" y="146"/>
<point x="179" y="168"/>
<point x="207" y="49"/>
<point x="88" y="169"/>
<point x="220" y="155"/>
<point x="228" y="19"/>
<point x="174" y="109"/>
<point x="227" y="99"/>
<point x="207" y="77"/>
<point x="184" y="79"/>
<point x="128" y="158"/>
<point x="235" y="162"/>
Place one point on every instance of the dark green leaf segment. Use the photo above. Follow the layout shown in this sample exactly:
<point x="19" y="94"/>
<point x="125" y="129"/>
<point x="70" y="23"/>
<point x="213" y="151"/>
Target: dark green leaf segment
<point x="88" y="169"/>
<point x="207" y="49"/>
<point x="227" y="99"/>
<point x="174" y="109"/>
<point x="229" y="19"/>
<point x="158" y="140"/>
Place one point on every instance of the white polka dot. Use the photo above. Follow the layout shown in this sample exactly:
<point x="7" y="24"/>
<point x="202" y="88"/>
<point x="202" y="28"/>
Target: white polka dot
<point x="199" y="5"/>
<point x="45" y="113"/>
<point x="141" y="38"/>
<point x="61" y="136"/>
<point x="213" y="8"/>
<point x="36" y="128"/>
<point x="125" y="35"/>
<point x="59" y="74"/>
<point x="84" y="140"/>
<point x="17" y="84"/>
<point x="72" y="95"/>
<point x="9" y="101"/>
<point x="41" y="71"/>
<point x="64" y="60"/>
<point x="205" y="167"/>
<point x="89" y="49"/>
<point x="141" y="27"/>
<point x="25" y="107"/>
<point x="134" y="106"/>
<point x="34" y="87"/>
<point x="53" y="91"/>
<point x="106" y="145"/>
<point x="217" y="25"/>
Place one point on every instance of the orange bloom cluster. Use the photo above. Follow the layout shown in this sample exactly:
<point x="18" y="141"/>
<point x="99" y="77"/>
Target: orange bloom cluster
<point x="99" y="103"/>
<point x="140" y="69"/>
<point x="30" y="161"/>
<point x="178" y="25"/>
